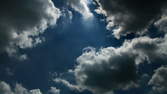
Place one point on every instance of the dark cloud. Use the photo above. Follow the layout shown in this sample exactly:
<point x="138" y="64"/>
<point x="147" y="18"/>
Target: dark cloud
<point x="106" y="71"/>
<point x="159" y="81"/>
<point x="133" y="15"/>
<point x="20" y="20"/>
<point x="117" y="68"/>
<point x="162" y="24"/>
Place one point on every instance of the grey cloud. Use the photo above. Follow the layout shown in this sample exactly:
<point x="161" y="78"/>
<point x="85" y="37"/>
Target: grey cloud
<point x="5" y="88"/>
<point x="132" y="16"/>
<point x="22" y="21"/>
<point x="158" y="81"/>
<point x="106" y="70"/>
<point x="117" y="68"/>
<point x="162" y="24"/>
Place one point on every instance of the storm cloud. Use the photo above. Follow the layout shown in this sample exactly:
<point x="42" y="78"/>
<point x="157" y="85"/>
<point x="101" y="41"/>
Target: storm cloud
<point x="132" y="16"/>
<point x="22" y="21"/>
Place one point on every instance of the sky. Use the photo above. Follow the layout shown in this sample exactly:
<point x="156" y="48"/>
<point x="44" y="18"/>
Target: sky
<point x="83" y="47"/>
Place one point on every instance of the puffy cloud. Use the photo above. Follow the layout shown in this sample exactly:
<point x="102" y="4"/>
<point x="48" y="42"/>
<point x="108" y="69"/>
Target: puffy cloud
<point x="35" y="91"/>
<point x="159" y="80"/>
<point x="54" y="90"/>
<point x="22" y="22"/>
<point x="19" y="89"/>
<point x="117" y="68"/>
<point x="82" y="7"/>
<point x="131" y="16"/>
<point x="5" y="88"/>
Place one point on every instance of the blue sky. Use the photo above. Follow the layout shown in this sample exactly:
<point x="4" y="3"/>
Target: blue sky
<point x="111" y="52"/>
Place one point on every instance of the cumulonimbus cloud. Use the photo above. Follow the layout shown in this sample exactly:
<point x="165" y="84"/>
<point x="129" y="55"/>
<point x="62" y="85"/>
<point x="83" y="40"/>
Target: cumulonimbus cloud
<point x="22" y="21"/>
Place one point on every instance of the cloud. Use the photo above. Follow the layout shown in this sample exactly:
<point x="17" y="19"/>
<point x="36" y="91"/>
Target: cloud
<point x="82" y="7"/>
<point x="22" y="22"/>
<point x="5" y="88"/>
<point x="35" y="91"/>
<point x="111" y="69"/>
<point x="161" y="24"/>
<point x="19" y="89"/>
<point x="54" y="90"/>
<point x="158" y="81"/>
<point x="131" y="16"/>
<point x="67" y="84"/>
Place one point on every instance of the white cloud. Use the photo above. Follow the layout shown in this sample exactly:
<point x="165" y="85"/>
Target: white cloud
<point x="5" y="88"/>
<point x="67" y="84"/>
<point x="54" y="90"/>
<point x="35" y="91"/>
<point x="19" y="89"/>
<point x="81" y="6"/>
